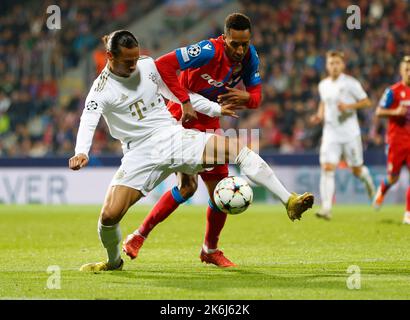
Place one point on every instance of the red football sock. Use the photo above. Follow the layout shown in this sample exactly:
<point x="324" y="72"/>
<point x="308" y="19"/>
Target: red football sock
<point x="215" y="221"/>
<point x="384" y="186"/>
<point x="408" y="200"/>
<point x="163" y="208"/>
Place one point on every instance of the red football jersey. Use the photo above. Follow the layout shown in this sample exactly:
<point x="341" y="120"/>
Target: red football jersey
<point x="398" y="130"/>
<point x="207" y="70"/>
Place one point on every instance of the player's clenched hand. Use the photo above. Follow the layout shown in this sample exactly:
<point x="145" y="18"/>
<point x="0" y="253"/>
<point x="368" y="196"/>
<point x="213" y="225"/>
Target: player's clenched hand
<point x="229" y="110"/>
<point x="343" y="107"/>
<point x="78" y="161"/>
<point x="188" y="112"/>
<point x="400" y="111"/>
<point x="315" y="119"/>
<point x="235" y="97"/>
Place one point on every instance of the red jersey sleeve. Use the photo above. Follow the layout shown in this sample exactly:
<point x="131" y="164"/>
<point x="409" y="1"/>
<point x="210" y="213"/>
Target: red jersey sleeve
<point x="256" y="96"/>
<point x="168" y="66"/>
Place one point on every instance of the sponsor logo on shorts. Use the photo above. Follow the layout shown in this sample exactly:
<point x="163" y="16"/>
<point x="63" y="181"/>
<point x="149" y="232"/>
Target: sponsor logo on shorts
<point x="120" y="174"/>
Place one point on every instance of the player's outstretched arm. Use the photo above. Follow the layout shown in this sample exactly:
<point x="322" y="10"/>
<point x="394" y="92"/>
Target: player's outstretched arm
<point x="88" y="123"/>
<point x="203" y="105"/>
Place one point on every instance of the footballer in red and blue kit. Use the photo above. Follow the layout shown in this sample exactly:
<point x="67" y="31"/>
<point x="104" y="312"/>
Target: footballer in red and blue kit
<point x="395" y="104"/>
<point x="206" y="69"/>
<point x="398" y="129"/>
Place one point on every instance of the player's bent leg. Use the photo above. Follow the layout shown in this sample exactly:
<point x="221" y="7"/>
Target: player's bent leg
<point x="384" y="186"/>
<point x="327" y="190"/>
<point x="168" y="203"/>
<point x="215" y="221"/>
<point x="258" y="171"/>
<point x="117" y="202"/>
<point x="363" y="173"/>
<point x="187" y="184"/>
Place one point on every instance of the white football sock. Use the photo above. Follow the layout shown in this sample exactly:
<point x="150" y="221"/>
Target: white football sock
<point x="110" y="237"/>
<point x="207" y="250"/>
<point x="367" y="179"/>
<point x="327" y="189"/>
<point x="259" y="172"/>
<point x="137" y="232"/>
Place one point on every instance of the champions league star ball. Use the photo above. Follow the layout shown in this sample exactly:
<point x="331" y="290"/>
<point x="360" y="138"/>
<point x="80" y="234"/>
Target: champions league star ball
<point x="233" y="195"/>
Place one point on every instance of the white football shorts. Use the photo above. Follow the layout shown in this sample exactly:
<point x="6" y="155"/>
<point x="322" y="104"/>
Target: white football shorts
<point x="171" y="149"/>
<point x="332" y="152"/>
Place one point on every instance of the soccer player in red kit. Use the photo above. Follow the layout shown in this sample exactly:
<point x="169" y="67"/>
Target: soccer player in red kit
<point x="395" y="105"/>
<point x="211" y="68"/>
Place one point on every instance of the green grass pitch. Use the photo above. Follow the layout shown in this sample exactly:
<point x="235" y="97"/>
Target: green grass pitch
<point x="277" y="259"/>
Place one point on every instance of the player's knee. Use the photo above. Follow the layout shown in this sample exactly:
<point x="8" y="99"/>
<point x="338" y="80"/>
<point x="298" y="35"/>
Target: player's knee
<point x="328" y="167"/>
<point x="392" y="179"/>
<point x="357" y="171"/>
<point x="188" y="188"/>
<point x="109" y="217"/>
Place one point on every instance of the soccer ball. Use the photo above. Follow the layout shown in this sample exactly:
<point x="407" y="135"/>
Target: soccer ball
<point x="233" y="195"/>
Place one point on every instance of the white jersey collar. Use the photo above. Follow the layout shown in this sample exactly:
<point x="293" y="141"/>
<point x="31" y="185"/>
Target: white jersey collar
<point x="121" y="79"/>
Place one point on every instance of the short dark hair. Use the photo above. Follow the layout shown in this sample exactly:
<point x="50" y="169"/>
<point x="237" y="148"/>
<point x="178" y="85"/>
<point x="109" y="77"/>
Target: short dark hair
<point x="237" y="21"/>
<point x="117" y="39"/>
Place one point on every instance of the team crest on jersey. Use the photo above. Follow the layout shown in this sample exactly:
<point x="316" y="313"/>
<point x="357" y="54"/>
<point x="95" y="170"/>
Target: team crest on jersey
<point x="123" y="98"/>
<point x="194" y="50"/>
<point x="92" y="105"/>
<point x="403" y="94"/>
<point x="154" y="77"/>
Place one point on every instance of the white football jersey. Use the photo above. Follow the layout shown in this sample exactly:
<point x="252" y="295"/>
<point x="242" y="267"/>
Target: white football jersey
<point x="338" y="126"/>
<point x="132" y="107"/>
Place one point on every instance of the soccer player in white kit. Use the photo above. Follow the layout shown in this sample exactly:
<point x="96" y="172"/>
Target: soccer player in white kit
<point x="340" y="96"/>
<point x="128" y="95"/>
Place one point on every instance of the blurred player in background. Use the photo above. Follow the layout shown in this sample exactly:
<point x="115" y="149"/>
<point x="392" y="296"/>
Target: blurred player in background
<point x="128" y="95"/>
<point x="340" y="96"/>
<point x="395" y="105"/>
<point x="211" y="68"/>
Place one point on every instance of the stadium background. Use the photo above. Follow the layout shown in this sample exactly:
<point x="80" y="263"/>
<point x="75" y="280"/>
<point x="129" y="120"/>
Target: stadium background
<point x="45" y="75"/>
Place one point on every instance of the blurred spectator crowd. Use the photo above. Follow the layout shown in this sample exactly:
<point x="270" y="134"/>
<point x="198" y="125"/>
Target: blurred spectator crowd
<point x="291" y="38"/>
<point x="32" y="60"/>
